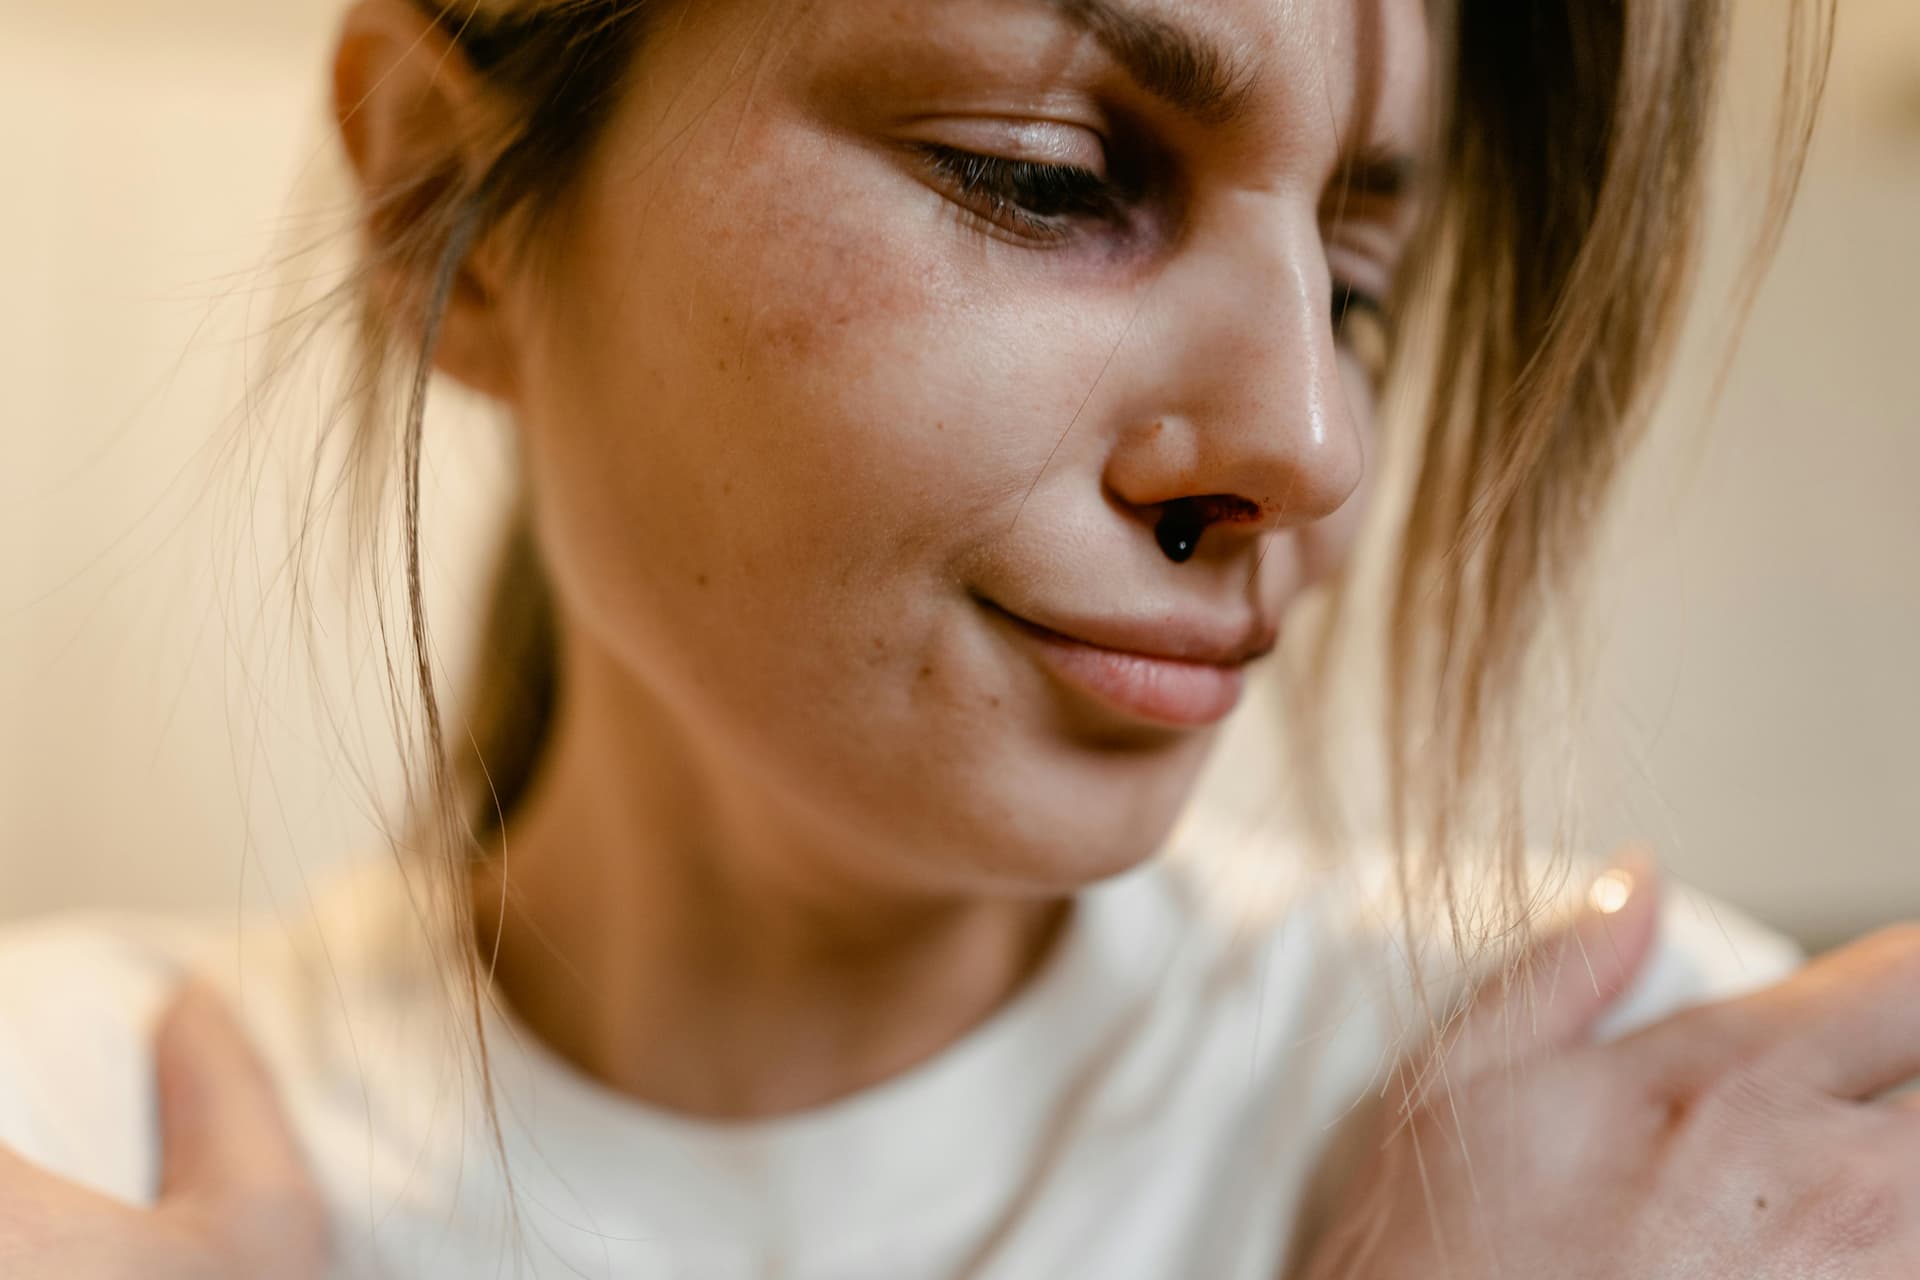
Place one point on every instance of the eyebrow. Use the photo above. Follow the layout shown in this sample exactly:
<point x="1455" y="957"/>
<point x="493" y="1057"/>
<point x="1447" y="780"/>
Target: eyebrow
<point x="1201" y="79"/>
<point x="1190" y="72"/>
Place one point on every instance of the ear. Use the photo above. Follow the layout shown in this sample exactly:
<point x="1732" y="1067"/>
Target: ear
<point x="415" y="121"/>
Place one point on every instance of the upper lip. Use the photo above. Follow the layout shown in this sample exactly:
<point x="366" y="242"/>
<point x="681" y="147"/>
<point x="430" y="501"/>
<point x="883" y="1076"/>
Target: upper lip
<point x="1165" y="637"/>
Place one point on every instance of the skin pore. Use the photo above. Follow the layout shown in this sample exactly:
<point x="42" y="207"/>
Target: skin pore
<point x="873" y="326"/>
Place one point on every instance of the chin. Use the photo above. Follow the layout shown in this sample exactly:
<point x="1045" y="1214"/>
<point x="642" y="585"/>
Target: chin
<point x="1061" y="825"/>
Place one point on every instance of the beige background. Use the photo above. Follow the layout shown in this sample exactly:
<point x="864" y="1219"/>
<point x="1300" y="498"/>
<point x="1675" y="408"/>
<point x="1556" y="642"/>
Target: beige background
<point x="160" y="743"/>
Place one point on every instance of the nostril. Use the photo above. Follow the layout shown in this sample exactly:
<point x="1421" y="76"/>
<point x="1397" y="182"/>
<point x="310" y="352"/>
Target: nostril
<point x="1183" y="520"/>
<point x="1179" y="531"/>
<point x="1226" y="508"/>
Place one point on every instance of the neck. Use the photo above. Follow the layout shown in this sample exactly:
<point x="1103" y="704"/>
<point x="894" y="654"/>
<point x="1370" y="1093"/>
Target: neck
<point x="688" y="938"/>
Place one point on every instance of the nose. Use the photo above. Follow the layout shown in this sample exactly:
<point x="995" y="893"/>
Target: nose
<point x="1235" y="415"/>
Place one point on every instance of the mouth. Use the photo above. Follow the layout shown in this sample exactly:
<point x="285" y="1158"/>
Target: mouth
<point x="1163" y="672"/>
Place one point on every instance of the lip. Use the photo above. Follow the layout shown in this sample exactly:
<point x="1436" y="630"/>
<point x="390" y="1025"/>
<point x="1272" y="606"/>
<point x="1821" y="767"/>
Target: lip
<point x="1173" y="673"/>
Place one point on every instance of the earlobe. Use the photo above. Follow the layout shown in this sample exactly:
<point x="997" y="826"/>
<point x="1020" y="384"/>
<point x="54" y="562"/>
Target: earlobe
<point x="418" y="133"/>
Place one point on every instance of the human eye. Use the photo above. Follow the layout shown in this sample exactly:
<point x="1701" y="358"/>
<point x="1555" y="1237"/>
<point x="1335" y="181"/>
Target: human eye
<point x="1041" y="201"/>
<point x="1360" y="325"/>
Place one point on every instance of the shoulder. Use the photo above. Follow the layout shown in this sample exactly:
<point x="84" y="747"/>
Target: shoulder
<point x="1339" y="945"/>
<point x="79" y="997"/>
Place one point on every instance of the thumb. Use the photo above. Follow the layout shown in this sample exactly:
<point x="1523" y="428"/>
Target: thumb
<point x="1552" y="996"/>
<point x="222" y="1130"/>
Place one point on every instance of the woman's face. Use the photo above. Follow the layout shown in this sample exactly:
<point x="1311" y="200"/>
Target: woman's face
<point x="878" y="343"/>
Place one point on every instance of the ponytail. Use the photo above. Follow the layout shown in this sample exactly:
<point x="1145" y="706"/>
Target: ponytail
<point x="513" y="693"/>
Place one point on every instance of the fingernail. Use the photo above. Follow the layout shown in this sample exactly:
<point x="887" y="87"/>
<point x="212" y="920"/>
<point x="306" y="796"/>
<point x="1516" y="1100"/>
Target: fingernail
<point x="193" y="1012"/>
<point x="193" y="999"/>
<point x="1614" y="888"/>
<point x="1612" y="891"/>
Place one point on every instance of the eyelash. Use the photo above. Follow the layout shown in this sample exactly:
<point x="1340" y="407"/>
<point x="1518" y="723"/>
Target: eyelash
<point x="1027" y="197"/>
<point x="1349" y="302"/>
<point x="1041" y="201"/>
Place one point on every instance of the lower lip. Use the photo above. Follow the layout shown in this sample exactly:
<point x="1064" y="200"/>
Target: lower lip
<point x="1181" y="695"/>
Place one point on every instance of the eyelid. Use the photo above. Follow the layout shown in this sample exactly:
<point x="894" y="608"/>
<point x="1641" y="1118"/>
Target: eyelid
<point x="1045" y="142"/>
<point x="988" y="187"/>
<point x="1367" y="264"/>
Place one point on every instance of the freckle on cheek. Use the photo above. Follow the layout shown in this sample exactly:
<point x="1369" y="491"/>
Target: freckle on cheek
<point x="792" y="339"/>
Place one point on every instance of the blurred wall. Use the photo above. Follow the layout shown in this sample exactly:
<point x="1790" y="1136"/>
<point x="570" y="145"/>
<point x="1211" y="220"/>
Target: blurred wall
<point x="1755" y="713"/>
<point x="155" y="744"/>
<point x="1758" y="707"/>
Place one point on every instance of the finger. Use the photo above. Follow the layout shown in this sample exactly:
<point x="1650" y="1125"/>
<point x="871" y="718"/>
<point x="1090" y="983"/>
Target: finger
<point x="1558" y="989"/>
<point x="222" y="1130"/>
<point x="1907" y="1099"/>
<point x="1849" y="1023"/>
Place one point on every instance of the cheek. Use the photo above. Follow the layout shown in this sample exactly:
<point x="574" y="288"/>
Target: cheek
<point x="790" y="364"/>
<point x="1326" y="546"/>
<point x="758" y="397"/>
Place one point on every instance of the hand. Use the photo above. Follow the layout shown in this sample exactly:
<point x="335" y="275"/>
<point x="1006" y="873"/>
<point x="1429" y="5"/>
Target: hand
<point x="235" y="1197"/>
<point x="1738" y="1140"/>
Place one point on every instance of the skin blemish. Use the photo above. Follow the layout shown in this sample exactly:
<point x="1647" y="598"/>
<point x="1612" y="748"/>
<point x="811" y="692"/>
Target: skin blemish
<point x="703" y="581"/>
<point x="797" y="338"/>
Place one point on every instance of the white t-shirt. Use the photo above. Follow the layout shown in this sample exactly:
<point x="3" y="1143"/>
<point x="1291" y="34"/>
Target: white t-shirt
<point x="1150" y="1107"/>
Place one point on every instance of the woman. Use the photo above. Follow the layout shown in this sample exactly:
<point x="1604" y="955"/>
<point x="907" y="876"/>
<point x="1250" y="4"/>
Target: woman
<point x="927" y="414"/>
